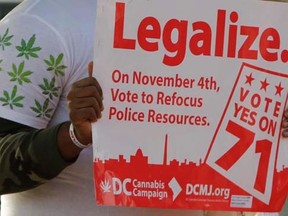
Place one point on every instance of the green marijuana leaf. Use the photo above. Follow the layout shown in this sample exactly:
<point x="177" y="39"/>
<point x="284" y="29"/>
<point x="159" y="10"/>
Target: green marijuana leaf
<point x="27" y="50"/>
<point x="12" y="100"/>
<point x="55" y="65"/>
<point x="19" y="75"/>
<point x="5" y="39"/>
<point x="42" y="110"/>
<point x="49" y="88"/>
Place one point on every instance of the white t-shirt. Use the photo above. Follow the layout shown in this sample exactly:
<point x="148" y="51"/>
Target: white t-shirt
<point x="47" y="46"/>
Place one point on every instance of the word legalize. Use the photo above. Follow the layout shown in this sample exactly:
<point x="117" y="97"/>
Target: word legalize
<point x="151" y="33"/>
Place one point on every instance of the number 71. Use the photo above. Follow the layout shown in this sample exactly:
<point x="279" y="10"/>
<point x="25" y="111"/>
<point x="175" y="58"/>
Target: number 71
<point x="246" y="138"/>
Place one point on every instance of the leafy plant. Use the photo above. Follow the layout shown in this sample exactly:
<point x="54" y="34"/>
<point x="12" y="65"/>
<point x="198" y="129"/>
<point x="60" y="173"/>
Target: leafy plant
<point x="42" y="110"/>
<point x="49" y="88"/>
<point x="55" y="65"/>
<point x="19" y="75"/>
<point x="27" y="49"/>
<point x="12" y="100"/>
<point x="5" y="39"/>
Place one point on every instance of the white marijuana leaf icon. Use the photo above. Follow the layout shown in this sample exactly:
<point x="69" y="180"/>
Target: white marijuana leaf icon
<point x="105" y="186"/>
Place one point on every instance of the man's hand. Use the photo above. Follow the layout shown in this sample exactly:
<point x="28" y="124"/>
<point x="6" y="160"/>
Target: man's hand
<point x="85" y="102"/>
<point x="85" y="106"/>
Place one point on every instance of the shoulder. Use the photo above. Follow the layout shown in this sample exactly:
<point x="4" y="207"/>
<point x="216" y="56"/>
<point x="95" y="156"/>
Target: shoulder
<point x="61" y="15"/>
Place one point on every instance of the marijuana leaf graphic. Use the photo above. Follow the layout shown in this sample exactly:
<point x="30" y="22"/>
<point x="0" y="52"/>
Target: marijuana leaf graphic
<point x="49" y="88"/>
<point x="12" y="100"/>
<point x="5" y="39"/>
<point x="19" y="75"/>
<point x="27" y="50"/>
<point x="42" y="111"/>
<point x="105" y="186"/>
<point x="55" y="65"/>
<point x="1" y="60"/>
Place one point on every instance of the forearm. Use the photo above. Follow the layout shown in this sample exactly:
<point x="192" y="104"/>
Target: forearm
<point x="67" y="149"/>
<point x="29" y="158"/>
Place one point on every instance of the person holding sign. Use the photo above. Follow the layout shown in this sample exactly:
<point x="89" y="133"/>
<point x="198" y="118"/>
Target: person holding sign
<point x="44" y="52"/>
<point x="44" y="49"/>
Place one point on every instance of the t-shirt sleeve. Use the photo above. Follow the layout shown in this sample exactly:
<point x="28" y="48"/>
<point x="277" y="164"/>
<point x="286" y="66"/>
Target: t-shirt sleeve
<point x="33" y="65"/>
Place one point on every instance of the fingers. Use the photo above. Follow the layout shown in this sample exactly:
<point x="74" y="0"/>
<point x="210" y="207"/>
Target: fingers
<point x="85" y="103"/>
<point x="80" y="104"/>
<point x="285" y="133"/>
<point x="285" y="124"/>
<point x="286" y="113"/>
<point x="89" y="81"/>
<point x="85" y="100"/>
<point x="85" y="91"/>
<point x="86" y="114"/>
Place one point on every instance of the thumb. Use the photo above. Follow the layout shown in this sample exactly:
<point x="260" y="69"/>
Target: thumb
<point x="90" y="69"/>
